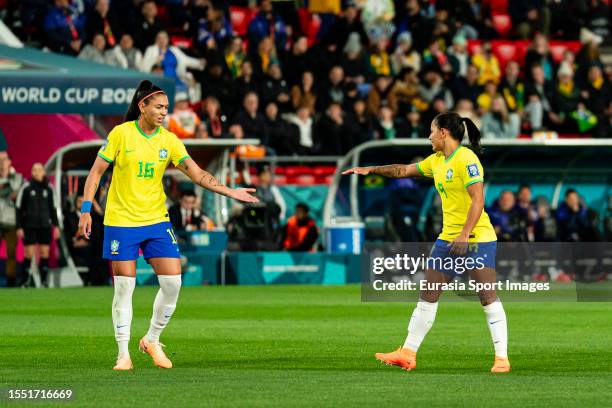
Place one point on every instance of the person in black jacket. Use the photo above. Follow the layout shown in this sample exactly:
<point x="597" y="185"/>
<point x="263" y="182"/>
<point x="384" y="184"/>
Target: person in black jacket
<point x="36" y="220"/>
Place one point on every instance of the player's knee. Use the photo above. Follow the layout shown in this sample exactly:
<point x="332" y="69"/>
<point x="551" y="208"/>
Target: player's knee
<point x="487" y="297"/>
<point x="430" y="296"/>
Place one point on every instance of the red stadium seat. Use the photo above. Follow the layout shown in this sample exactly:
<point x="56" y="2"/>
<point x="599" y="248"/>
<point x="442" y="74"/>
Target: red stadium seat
<point x="324" y="170"/>
<point x="181" y="41"/>
<point x="240" y="18"/>
<point x="310" y="24"/>
<point x="502" y="24"/>
<point x="294" y="171"/>
<point x="279" y="170"/>
<point x="557" y="48"/>
<point x="505" y="52"/>
<point x="280" y="180"/>
<point x="498" y="6"/>
<point x="303" y="180"/>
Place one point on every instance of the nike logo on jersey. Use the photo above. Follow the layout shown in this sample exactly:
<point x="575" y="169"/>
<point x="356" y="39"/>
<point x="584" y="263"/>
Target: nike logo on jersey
<point x="129" y="151"/>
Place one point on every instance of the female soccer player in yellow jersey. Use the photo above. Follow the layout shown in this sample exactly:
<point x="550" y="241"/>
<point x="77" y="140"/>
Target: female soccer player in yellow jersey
<point x="458" y="177"/>
<point x="136" y="216"/>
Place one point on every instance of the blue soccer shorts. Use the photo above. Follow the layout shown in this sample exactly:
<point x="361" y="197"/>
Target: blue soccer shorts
<point x="156" y="241"/>
<point x="479" y="255"/>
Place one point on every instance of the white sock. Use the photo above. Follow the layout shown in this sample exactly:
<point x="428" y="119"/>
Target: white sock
<point x="421" y="321"/>
<point x="496" y="320"/>
<point x="165" y="303"/>
<point x="122" y="311"/>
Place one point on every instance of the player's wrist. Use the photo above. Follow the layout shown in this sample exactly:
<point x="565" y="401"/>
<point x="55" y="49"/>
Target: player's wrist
<point x="86" y="207"/>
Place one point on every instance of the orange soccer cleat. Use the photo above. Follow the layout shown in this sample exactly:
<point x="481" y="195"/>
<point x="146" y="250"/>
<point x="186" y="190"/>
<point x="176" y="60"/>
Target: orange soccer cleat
<point x="123" y="363"/>
<point x="156" y="352"/>
<point x="402" y="357"/>
<point x="501" y="365"/>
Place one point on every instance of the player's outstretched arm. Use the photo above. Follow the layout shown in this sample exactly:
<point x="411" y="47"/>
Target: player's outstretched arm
<point x="391" y="170"/>
<point x="89" y="191"/>
<point x="206" y="180"/>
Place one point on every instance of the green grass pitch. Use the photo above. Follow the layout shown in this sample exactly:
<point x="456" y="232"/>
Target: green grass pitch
<point x="301" y="346"/>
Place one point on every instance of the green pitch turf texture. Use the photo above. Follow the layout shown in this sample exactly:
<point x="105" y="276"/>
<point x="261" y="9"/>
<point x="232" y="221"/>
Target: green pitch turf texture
<point x="301" y="346"/>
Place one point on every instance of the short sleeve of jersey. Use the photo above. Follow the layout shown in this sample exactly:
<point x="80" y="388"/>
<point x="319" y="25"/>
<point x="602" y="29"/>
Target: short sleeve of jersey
<point x="110" y="149"/>
<point x="470" y="169"/>
<point x="425" y="167"/>
<point x="179" y="152"/>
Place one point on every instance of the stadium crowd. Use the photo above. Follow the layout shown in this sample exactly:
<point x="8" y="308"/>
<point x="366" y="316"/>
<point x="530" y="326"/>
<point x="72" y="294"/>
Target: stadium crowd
<point x="322" y="78"/>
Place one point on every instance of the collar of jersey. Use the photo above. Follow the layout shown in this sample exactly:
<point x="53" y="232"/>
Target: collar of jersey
<point x="144" y="134"/>
<point x="452" y="154"/>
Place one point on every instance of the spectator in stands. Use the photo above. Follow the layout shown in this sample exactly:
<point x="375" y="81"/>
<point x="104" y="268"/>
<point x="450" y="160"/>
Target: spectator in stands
<point x="504" y="218"/>
<point x="84" y="251"/>
<point x="458" y="56"/>
<point x="598" y="19"/>
<point x="566" y="98"/>
<point x="404" y="93"/>
<point x="435" y="88"/>
<point x="124" y="54"/>
<point x="186" y="217"/>
<point x="10" y="183"/>
<point x="214" y="31"/>
<point x="173" y="61"/>
<point x="487" y="64"/>
<point x="411" y="127"/>
<point x="283" y="137"/>
<point x="36" y="221"/>
<point x="378" y="95"/>
<point x="94" y="52"/>
<point x="270" y="195"/>
<point x="267" y="23"/>
<point x="527" y="211"/>
<point x="417" y="23"/>
<point x="529" y="16"/>
<point x="334" y="90"/>
<point x="302" y="119"/>
<point x="235" y="56"/>
<point x="434" y="57"/>
<point x="405" y="56"/>
<point x="359" y="122"/>
<point x="349" y="22"/>
<point x="378" y="59"/>
<point x="265" y="56"/>
<point x="512" y="88"/>
<point x="572" y="218"/>
<point x="331" y="136"/>
<point x="597" y="95"/>
<point x="247" y="82"/>
<point x="354" y="61"/>
<point x="216" y="81"/>
<point x="64" y="28"/>
<point x="300" y="233"/>
<point x="540" y="94"/>
<point x="467" y="87"/>
<point x="498" y="123"/>
<point x="303" y="94"/>
<point x="298" y="61"/>
<point x="539" y="54"/>
<point x="486" y="97"/>
<point x="183" y="121"/>
<point x="465" y="109"/>
<point x="385" y="127"/>
<point x="251" y="121"/>
<point x="568" y="61"/>
<point x="148" y="26"/>
<point x="214" y="122"/>
<point x="589" y="54"/>
<point x="275" y="88"/>
<point x="102" y="21"/>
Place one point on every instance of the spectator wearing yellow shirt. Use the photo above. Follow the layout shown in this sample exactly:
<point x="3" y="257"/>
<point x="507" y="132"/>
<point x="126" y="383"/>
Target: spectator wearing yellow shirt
<point x="234" y="57"/>
<point x="484" y="99"/>
<point x="487" y="64"/>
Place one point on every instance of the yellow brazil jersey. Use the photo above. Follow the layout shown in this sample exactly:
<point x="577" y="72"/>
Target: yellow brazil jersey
<point x="451" y="177"/>
<point x="136" y="197"/>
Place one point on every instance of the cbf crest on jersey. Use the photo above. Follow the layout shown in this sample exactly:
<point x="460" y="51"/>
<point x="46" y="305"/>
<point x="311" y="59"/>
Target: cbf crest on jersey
<point x="103" y="148"/>
<point x="163" y="154"/>
<point x="473" y="170"/>
<point x="114" y="247"/>
<point x="449" y="174"/>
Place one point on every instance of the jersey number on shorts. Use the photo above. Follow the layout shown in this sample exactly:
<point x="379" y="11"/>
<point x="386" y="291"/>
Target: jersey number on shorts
<point x="442" y="190"/>
<point x="148" y="169"/>
<point x="171" y="235"/>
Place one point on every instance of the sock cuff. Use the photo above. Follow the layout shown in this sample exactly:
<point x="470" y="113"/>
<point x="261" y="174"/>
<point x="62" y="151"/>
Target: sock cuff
<point x="169" y="279"/>
<point x="124" y="281"/>
<point x="494" y="307"/>
<point x="429" y="306"/>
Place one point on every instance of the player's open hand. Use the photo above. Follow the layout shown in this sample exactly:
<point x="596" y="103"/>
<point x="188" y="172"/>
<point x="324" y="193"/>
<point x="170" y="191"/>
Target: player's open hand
<point x="363" y="171"/>
<point x="459" y="245"/>
<point x="244" y="195"/>
<point x="85" y="225"/>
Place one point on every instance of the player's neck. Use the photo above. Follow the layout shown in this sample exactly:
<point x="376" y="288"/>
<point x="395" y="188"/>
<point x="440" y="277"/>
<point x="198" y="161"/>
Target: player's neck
<point x="449" y="149"/>
<point x="145" y="127"/>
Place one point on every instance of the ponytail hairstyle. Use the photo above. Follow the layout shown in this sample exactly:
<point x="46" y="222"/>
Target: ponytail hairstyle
<point x="457" y="126"/>
<point x="145" y="90"/>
